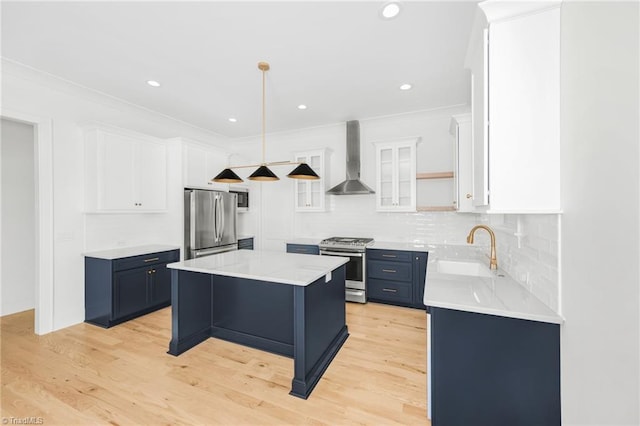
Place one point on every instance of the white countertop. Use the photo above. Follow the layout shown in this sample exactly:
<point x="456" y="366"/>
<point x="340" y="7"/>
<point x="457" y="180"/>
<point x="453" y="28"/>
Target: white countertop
<point x="120" y="252"/>
<point x="245" y="236"/>
<point x="272" y="266"/>
<point x="389" y="245"/>
<point x="496" y="295"/>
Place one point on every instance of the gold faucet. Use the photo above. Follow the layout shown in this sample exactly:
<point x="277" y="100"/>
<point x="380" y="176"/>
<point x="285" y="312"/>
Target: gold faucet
<point x="493" y="263"/>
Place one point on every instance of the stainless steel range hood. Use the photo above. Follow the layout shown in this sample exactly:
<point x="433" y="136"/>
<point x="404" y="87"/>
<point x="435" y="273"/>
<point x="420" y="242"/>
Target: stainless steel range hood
<point x="352" y="185"/>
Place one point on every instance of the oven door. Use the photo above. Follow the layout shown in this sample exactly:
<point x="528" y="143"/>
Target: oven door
<point x="354" y="268"/>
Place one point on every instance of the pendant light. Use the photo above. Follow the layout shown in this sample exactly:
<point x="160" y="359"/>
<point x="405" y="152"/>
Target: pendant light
<point x="263" y="173"/>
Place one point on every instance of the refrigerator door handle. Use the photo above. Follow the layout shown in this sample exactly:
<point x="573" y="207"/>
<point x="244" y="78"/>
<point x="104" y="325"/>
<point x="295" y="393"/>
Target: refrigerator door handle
<point x="222" y="224"/>
<point x="192" y="219"/>
<point x="216" y="222"/>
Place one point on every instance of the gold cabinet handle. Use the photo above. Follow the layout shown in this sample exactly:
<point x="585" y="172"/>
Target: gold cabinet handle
<point x="393" y="271"/>
<point x="153" y="259"/>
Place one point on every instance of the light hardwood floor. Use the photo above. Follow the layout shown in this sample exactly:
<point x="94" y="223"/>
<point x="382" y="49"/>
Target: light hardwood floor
<point x="86" y="375"/>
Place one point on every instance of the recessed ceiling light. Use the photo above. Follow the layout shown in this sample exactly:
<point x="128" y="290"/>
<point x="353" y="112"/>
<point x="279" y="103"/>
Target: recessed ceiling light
<point x="390" y="10"/>
<point x="405" y="86"/>
<point x="153" y="83"/>
<point x="302" y="106"/>
<point x="233" y="119"/>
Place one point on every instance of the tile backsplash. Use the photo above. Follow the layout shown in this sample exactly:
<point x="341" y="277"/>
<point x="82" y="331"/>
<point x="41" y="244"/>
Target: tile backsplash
<point x="527" y="244"/>
<point x="527" y="249"/>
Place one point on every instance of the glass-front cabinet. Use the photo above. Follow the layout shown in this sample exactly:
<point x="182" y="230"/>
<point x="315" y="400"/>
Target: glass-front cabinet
<point x="310" y="194"/>
<point x="396" y="175"/>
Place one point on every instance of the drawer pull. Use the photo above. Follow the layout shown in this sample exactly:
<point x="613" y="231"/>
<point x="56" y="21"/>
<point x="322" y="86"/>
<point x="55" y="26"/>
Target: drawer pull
<point x="393" y="271"/>
<point x="390" y="290"/>
<point x="389" y="255"/>
<point x="152" y="259"/>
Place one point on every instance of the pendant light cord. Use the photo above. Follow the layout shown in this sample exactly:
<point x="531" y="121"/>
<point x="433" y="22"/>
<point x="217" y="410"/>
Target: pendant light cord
<point x="264" y="115"/>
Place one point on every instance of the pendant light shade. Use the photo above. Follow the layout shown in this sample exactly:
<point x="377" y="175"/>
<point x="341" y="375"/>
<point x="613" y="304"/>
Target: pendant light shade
<point x="227" y="176"/>
<point x="263" y="174"/>
<point x="303" y="171"/>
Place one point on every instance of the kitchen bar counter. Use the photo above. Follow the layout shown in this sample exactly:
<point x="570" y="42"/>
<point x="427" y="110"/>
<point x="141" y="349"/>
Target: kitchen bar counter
<point x="289" y="304"/>
<point x="270" y="266"/>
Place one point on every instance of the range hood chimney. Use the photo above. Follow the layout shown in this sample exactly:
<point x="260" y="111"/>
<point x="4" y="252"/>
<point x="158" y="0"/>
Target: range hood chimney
<point x="352" y="185"/>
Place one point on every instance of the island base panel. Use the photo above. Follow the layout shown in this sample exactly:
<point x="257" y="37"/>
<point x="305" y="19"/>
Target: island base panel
<point x="319" y="329"/>
<point x="191" y="310"/>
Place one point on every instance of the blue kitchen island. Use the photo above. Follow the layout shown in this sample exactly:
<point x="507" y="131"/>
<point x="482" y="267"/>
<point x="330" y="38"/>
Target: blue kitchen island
<point x="288" y="304"/>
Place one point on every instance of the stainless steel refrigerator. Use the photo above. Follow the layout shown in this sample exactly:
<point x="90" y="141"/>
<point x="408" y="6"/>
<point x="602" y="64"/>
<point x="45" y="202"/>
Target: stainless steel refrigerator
<point x="209" y="222"/>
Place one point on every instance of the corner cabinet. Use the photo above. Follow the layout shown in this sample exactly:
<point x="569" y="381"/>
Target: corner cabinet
<point x="123" y="288"/>
<point x="514" y="59"/>
<point x="310" y="195"/>
<point x="200" y="164"/>
<point x="124" y="171"/>
<point x="396" y="277"/>
<point x="396" y="175"/>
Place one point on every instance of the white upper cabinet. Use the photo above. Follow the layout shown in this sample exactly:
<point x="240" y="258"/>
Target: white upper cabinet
<point x="396" y="175"/>
<point x="310" y="195"/>
<point x="124" y="171"/>
<point x="202" y="163"/>
<point x="463" y="175"/>
<point x="515" y="66"/>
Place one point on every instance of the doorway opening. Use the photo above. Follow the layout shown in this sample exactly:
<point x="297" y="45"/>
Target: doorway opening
<point x="26" y="231"/>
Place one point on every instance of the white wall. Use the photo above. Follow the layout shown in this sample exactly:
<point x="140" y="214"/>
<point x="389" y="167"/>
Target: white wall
<point x="30" y="92"/>
<point x="600" y="225"/>
<point x="355" y="215"/>
<point x="18" y="217"/>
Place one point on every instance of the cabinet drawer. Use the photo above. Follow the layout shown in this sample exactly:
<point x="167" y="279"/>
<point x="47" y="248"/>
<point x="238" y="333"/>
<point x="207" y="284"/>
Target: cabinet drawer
<point x="303" y="249"/>
<point x="394" y="271"/>
<point x="392" y="291"/>
<point x="393" y="255"/>
<point x="245" y="244"/>
<point x="146" y="259"/>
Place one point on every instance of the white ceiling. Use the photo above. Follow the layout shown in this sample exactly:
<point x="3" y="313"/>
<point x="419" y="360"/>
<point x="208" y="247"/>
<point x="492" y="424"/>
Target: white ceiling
<point x="339" y="58"/>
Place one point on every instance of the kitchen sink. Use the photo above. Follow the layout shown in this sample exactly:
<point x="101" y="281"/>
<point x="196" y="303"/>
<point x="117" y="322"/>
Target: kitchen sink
<point x="461" y="267"/>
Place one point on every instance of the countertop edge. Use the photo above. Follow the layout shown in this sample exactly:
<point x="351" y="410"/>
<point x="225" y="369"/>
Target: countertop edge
<point x="478" y="310"/>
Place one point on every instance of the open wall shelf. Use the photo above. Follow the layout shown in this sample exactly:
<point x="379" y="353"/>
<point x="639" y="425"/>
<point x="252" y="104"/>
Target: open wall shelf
<point x="435" y="175"/>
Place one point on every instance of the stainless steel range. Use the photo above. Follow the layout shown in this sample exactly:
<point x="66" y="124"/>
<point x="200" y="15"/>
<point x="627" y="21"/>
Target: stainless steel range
<point x="355" y="250"/>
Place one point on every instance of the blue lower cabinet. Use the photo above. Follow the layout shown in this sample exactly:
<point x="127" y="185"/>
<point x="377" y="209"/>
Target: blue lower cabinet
<point x="117" y="290"/>
<point x="396" y="277"/>
<point x="303" y="249"/>
<point x="488" y="370"/>
<point x="245" y="244"/>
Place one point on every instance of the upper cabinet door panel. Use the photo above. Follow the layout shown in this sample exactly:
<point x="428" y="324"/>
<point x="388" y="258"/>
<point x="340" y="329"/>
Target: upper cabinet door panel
<point x="116" y="172"/>
<point x="124" y="171"/>
<point x="524" y="82"/>
<point x="396" y="175"/>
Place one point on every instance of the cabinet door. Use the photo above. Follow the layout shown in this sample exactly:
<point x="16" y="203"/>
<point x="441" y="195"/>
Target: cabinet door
<point x="419" y="276"/>
<point x="463" y="162"/>
<point x="310" y="194"/>
<point x="216" y="161"/>
<point x="479" y="120"/>
<point x="130" y="291"/>
<point x="396" y="176"/>
<point x="116" y="172"/>
<point x="160" y="285"/>
<point x="524" y="138"/>
<point x="406" y="178"/>
<point x="386" y="181"/>
<point x="151" y="176"/>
